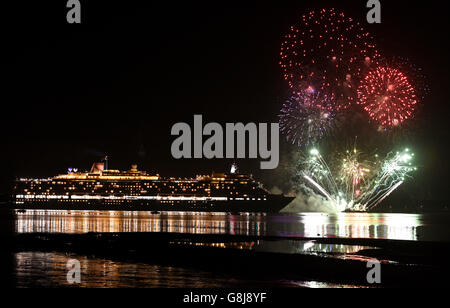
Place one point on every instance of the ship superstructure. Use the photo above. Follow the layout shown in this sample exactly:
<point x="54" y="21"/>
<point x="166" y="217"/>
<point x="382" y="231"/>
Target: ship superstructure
<point x="137" y="190"/>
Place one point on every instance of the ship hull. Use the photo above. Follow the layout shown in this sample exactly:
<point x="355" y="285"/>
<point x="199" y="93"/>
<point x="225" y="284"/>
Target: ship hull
<point x="271" y="205"/>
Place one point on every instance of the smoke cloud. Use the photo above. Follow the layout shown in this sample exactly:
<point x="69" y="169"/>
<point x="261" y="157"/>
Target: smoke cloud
<point x="311" y="203"/>
<point x="303" y="203"/>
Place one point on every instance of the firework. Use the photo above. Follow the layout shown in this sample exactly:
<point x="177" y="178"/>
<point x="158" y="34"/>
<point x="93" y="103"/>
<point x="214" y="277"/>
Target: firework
<point x="305" y="118"/>
<point x="355" y="172"/>
<point x="388" y="97"/>
<point x="353" y="182"/>
<point x="416" y="75"/>
<point x="327" y="52"/>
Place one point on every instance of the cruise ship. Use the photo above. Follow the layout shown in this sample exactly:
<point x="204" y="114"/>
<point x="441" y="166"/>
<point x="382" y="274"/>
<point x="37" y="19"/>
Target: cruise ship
<point x="135" y="190"/>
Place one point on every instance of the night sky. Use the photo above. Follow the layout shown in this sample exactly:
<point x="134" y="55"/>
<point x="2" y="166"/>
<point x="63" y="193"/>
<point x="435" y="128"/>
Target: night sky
<point x="118" y="82"/>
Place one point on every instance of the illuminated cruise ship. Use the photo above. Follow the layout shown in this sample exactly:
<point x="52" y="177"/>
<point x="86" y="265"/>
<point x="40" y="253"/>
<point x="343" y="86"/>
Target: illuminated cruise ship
<point x="132" y="190"/>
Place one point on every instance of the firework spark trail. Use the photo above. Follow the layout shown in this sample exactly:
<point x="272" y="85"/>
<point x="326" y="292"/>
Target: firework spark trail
<point x="320" y="188"/>
<point x="305" y="118"/>
<point x="329" y="52"/>
<point x="331" y="63"/>
<point x="358" y="187"/>
<point x="388" y="97"/>
<point x="392" y="174"/>
<point x="382" y="198"/>
<point x="415" y="74"/>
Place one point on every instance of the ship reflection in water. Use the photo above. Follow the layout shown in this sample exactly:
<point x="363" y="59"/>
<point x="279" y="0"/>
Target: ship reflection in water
<point x="309" y="225"/>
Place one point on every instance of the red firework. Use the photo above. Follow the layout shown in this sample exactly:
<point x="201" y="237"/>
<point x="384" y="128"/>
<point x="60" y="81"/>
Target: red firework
<point x="329" y="53"/>
<point x="388" y="97"/>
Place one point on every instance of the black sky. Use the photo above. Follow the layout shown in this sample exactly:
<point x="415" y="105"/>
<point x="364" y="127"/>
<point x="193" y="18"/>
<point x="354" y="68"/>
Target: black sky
<point x="118" y="82"/>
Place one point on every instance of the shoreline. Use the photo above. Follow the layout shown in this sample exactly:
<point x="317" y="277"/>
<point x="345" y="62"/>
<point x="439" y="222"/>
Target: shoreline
<point x="417" y="263"/>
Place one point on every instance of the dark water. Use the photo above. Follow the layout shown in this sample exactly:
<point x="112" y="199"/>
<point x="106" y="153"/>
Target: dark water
<point x="38" y="269"/>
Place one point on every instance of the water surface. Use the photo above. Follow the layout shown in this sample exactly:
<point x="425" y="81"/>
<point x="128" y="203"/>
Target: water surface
<point x="429" y="227"/>
<point x="38" y="269"/>
<point x="299" y="234"/>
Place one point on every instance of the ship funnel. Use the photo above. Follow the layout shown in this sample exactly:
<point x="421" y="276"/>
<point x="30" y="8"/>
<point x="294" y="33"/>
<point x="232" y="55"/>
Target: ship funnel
<point x="97" y="168"/>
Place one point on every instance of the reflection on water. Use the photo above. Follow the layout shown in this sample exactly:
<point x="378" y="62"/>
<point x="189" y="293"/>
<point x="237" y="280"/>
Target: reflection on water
<point x="322" y="285"/>
<point x="345" y="225"/>
<point x="38" y="269"/>
<point x="49" y="270"/>
<point x="307" y="247"/>
<point x="286" y="247"/>
<point x="170" y="222"/>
